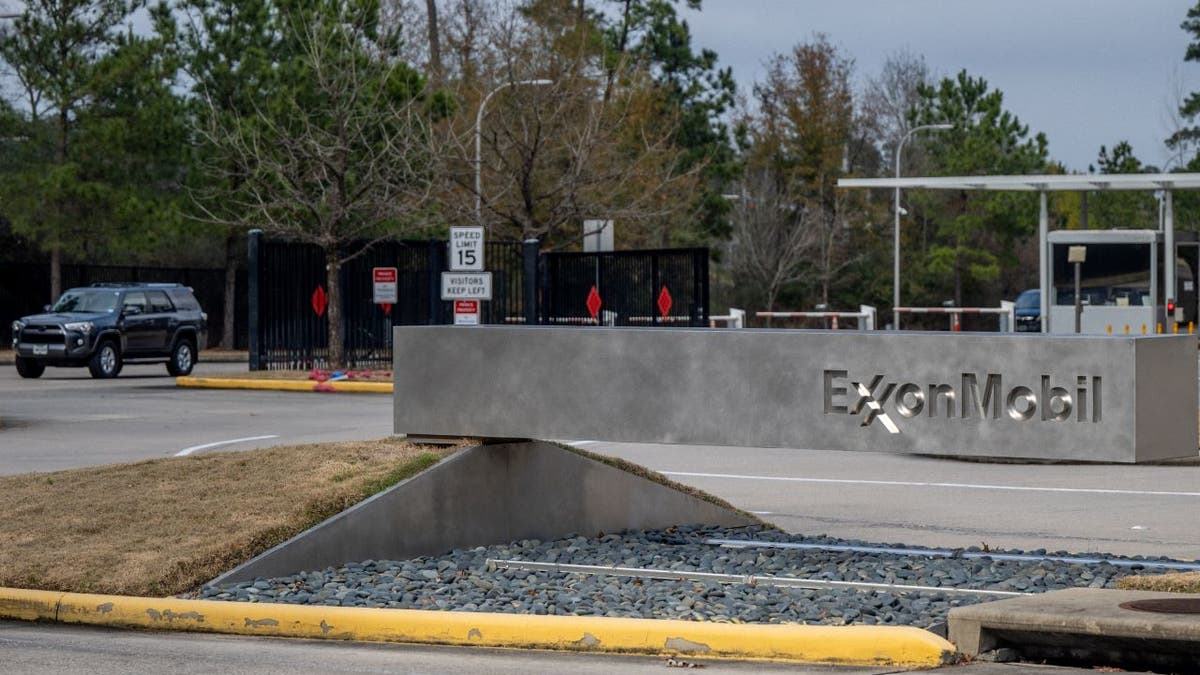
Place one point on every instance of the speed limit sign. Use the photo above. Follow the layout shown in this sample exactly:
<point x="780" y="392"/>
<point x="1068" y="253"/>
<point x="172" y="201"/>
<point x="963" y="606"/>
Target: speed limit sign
<point x="466" y="249"/>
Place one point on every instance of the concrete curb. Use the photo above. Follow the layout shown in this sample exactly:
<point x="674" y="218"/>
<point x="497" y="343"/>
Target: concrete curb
<point x="901" y="646"/>
<point x="344" y="386"/>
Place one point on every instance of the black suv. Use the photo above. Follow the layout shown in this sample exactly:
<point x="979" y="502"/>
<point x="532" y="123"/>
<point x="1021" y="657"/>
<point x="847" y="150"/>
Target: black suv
<point x="104" y="326"/>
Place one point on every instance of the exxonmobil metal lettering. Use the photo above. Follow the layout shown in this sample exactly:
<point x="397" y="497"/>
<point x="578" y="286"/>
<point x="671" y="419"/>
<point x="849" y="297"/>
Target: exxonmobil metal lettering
<point x="1045" y="401"/>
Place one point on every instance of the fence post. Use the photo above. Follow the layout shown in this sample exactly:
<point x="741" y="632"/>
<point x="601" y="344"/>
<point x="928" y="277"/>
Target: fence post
<point x="1008" y="316"/>
<point x="545" y="298"/>
<point x="253" y="270"/>
<point x="867" y="322"/>
<point x="529" y="279"/>
<point x="655" y="284"/>
<point x="435" y="281"/>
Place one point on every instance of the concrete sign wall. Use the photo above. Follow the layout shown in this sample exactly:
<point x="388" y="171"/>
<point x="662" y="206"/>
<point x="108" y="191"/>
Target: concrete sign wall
<point x="1119" y="399"/>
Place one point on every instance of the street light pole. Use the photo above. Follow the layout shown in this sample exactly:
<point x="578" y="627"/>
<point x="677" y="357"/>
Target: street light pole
<point x="478" y="135"/>
<point x="896" y="229"/>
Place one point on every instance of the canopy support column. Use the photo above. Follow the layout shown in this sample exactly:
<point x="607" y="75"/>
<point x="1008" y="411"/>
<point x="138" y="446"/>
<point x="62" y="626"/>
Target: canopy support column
<point x="1171" y="286"/>
<point x="1043" y="259"/>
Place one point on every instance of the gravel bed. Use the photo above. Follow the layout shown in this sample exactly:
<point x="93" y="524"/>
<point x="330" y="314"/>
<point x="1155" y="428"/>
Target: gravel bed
<point x="461" y="580"/>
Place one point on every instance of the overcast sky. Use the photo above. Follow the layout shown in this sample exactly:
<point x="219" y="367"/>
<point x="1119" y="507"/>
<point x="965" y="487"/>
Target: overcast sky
<point x="1085" y="72"/>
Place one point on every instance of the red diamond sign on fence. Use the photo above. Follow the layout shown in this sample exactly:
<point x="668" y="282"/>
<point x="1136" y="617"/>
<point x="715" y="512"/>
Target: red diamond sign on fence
<point x="593" y="302"/>
<point x="319" y="301"/>
<point x="664" y="302"/>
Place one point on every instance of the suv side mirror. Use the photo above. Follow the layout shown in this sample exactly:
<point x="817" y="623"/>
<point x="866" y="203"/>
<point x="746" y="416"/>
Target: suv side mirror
<point x="131" y="310"/>
<point x="45" y="308"/>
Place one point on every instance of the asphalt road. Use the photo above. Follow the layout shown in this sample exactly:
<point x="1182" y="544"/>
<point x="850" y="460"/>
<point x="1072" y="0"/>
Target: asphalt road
<point x="34" y="649"/>
<point x="65" y="419"/>
<point x="61" y="649"/>
<point x="927" y="501"/>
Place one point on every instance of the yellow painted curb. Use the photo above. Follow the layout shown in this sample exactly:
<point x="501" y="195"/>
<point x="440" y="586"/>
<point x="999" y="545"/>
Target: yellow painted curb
<point x="902" y="646"/>
<point x="284" y="385"/>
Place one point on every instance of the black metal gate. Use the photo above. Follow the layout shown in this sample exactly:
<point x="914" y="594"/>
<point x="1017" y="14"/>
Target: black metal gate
<point x="626" y="288"/>
<point x="289" y="300"/>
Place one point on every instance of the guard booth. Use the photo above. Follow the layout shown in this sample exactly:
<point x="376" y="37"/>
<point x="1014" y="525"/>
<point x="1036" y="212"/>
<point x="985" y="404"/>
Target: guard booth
<point x="1146" y="254"/>
<point x="1123" y="285"/>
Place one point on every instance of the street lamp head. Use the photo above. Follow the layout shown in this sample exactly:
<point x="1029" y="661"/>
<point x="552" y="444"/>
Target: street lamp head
<point x="940" y="126"/>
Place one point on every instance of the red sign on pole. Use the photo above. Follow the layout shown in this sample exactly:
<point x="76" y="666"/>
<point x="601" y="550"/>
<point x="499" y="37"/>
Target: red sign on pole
<point x="466" y="312"/>
<point x="384" y="285"/>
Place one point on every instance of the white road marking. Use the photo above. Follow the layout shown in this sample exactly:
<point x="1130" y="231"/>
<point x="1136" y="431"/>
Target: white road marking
<point x="969" y="486"/>
<point x="579" y="443"/>
<point x="195" y="448"/>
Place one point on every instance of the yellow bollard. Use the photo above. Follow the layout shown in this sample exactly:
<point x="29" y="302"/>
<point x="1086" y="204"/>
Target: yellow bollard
<point x="1175" y="327"/>
<point x="1127" y="329"/>
<point x="1158" y="328"/>
<point x="1143" y="329"/>
<point x="1108" y="329"/>
<point x="1191" y="327"/>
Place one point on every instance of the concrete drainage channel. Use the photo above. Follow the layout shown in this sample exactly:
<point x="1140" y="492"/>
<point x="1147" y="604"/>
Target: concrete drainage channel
<point x="747" y="579"/>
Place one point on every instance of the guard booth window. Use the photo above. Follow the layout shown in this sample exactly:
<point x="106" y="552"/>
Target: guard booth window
<point x="1186" y="267"/>
<point x="1115" y="275"/>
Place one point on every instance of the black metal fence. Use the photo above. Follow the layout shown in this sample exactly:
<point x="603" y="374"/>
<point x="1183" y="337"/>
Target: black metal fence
<point x="288" y="291"/>
<point x="288" y="297"/>
<point x="25" y="289"/>
<point x="631" y="288"/>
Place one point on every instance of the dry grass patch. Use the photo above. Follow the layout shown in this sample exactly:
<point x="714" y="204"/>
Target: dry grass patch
<point x="166" y="526"/>
<point x="1182" y="582"/>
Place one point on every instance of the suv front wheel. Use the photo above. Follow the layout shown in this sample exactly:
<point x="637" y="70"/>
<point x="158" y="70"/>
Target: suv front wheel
<point x="183" y="358"/>
<point x="106" y="362"/>
<point x="30" y="368"/>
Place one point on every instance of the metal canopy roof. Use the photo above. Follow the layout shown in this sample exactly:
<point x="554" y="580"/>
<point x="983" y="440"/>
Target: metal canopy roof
<point x="1056" y="182"/>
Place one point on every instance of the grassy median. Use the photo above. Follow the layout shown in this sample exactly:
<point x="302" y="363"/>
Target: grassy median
<point x="1183" y="582"/>
<point x="165" y="526"/>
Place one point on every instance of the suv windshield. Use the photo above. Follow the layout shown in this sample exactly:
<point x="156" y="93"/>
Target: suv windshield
<point x="87" y="301"/>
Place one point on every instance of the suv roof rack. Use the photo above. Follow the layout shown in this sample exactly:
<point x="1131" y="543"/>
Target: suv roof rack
<point x="134" y="284"/>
